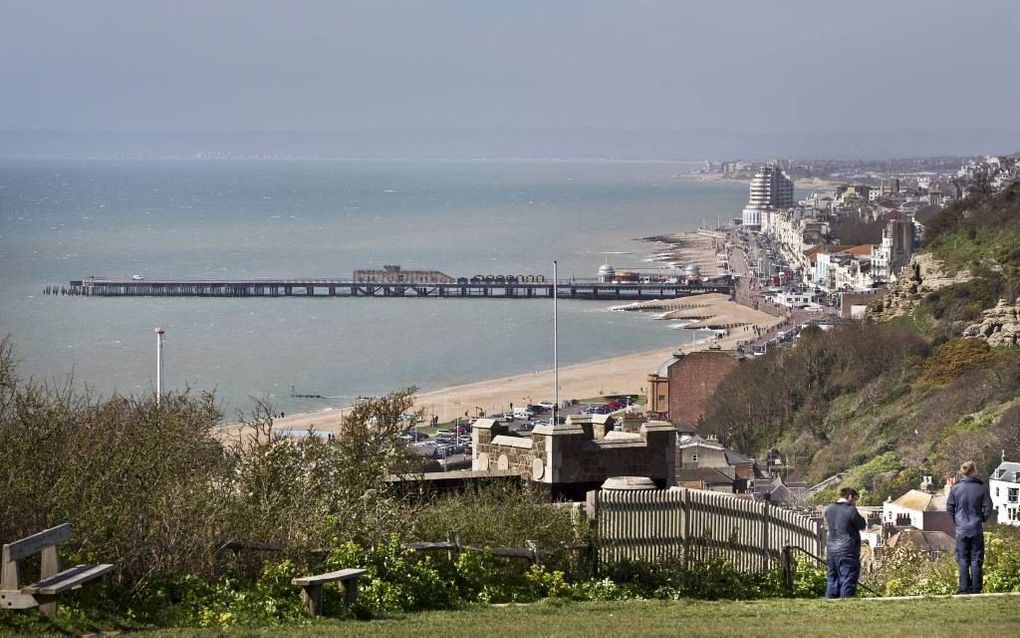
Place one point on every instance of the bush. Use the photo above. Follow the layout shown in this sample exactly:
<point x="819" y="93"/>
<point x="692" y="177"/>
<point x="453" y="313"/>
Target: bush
<point x="504" y="515"/>
<point x="952" y="359"/>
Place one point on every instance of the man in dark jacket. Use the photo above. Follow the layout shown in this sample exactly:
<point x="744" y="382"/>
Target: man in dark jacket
<point x="843" y="547"/>
<point x="970" y="505"/>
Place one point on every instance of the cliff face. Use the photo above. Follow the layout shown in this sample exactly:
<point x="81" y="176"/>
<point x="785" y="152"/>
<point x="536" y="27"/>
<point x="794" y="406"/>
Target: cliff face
<point x="999" y="326"/>
<point x="922" y="276"/>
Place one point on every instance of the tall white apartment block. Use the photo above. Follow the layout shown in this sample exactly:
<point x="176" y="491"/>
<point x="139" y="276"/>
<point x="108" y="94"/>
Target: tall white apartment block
<point x="771" y="189"/>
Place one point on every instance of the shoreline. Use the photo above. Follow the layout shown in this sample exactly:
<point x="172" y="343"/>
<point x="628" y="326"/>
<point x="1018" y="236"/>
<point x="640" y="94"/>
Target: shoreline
<point x="624" y="374"/>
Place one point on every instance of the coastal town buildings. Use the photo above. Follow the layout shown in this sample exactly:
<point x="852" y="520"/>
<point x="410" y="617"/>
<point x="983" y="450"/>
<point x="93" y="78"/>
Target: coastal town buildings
<point x="1004" y="486"/>
<point x="705" y="464"/>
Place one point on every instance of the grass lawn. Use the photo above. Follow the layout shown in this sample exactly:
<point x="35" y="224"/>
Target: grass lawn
<point x="999" y="616"/>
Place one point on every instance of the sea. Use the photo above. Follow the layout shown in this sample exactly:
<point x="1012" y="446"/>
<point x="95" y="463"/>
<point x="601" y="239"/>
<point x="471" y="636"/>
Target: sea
<point x="66" y="219"/>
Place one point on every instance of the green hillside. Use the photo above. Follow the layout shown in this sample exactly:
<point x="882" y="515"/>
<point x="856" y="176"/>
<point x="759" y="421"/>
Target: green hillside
<point x="889" y="402"/>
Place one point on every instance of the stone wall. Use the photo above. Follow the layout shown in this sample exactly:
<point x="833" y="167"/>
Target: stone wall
<point x="579" y="453"/>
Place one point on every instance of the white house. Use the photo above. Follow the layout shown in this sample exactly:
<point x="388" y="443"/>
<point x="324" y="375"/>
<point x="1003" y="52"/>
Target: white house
<point x="1004" y="484"/>
<point x="924" y="509"/>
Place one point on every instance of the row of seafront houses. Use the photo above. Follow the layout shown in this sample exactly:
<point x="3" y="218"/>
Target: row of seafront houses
<point x="810" y="234"/>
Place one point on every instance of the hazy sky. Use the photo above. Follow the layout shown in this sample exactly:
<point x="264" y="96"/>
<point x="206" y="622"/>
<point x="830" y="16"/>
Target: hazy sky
<point x="759" y="67"/>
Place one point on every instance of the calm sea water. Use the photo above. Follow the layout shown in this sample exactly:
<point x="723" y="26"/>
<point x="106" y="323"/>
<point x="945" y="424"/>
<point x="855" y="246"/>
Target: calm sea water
<point x="61" y="220"/>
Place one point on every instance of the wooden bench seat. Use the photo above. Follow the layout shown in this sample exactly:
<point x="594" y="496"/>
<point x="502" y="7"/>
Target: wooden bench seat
<point x="53" y="582"/>
<point x="67" y="580"/>
<point x="311" y="587"/>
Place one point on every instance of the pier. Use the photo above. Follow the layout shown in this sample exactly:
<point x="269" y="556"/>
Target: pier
<point x="568" y="289"/>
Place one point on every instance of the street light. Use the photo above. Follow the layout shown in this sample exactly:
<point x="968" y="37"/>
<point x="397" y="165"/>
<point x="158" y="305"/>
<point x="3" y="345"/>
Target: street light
<point x="159" y="363"/>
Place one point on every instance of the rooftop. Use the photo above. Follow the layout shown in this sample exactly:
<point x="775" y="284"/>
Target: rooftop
<point x="922" y="501"/>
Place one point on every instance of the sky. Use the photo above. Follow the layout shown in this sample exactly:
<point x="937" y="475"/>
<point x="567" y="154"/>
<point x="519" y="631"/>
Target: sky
<point x="307" y="65"/>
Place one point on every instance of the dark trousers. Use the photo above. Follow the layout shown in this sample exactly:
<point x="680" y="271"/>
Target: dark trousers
<point x="970" y="557"/>
<point x="843" y="572"/>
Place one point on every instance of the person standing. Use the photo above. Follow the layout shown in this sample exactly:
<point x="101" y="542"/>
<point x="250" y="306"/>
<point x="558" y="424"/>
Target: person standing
<point x="843" y="546"/>
<point x="970" y="506"/>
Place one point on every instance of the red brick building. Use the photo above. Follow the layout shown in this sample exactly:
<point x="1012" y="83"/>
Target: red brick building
<point x="680" y="389"/>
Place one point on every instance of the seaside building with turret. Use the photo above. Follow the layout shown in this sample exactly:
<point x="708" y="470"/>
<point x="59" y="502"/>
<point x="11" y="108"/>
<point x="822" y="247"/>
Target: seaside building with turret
<point x="771" y="189"/>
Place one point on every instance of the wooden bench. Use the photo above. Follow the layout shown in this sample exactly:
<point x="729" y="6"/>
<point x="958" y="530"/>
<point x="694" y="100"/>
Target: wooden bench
<point x="52" y="582"/>
<point x="311" y="587"/>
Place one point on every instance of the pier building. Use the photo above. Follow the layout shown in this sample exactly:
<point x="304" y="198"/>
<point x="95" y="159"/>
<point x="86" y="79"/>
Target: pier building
<point x="392" y="274"/>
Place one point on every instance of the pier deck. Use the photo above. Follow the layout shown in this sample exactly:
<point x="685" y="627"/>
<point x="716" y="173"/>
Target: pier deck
<point x="571" y="289"/>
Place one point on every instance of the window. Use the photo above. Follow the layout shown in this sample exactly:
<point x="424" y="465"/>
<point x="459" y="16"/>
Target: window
<point x="694" y="458"/>
<point x="996" y="492"/>
<point x="1012" y="494"/>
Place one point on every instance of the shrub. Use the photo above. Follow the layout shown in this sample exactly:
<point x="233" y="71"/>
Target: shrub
<point x="950" y="360"/>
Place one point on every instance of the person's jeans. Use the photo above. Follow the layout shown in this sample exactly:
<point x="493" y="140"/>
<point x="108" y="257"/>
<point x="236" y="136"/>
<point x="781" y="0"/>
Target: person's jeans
<point x="970" y="557"/>
<point x="843" y="572"/>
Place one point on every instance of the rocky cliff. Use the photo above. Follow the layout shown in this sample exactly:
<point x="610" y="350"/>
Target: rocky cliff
<point x="922" y="276"/>
<point x="999" y="326"/>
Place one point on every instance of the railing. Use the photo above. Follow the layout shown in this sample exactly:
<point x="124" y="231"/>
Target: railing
<point x="680" y="524"/>
<point x="453" y="546"/>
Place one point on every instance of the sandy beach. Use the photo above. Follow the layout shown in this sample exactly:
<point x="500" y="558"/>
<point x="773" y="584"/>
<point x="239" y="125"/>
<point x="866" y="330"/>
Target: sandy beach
<point x="617" y="375"/>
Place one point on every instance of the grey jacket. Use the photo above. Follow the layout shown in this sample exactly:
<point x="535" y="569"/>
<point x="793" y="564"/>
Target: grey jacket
<point x="970" y="505"/>
<point x="844" y="524"/>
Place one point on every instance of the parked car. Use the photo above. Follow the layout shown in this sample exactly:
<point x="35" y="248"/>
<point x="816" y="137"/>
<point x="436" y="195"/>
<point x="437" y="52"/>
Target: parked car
<point x="548" y="405"/>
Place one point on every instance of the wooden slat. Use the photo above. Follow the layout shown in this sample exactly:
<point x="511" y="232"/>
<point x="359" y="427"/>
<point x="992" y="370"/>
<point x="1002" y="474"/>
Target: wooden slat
<point x="67" y="579"/>
<point x="37" y="542"/>
<point x="343" y="574"/>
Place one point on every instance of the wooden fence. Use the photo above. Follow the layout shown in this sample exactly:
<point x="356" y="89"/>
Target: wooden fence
<point x="680" y="524"/>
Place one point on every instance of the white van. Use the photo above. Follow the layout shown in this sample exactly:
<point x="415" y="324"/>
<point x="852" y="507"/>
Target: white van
<point x="523" y="413"/>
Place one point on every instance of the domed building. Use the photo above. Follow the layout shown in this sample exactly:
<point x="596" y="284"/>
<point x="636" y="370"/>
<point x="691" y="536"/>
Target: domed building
<point x="606" y="274"/>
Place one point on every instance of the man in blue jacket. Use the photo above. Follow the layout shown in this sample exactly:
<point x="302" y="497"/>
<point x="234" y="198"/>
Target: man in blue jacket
<point x="970" y="506"/>
<point x="843" y="546"/>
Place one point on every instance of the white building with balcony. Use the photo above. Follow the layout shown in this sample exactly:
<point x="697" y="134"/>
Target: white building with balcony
<point x="1004" y="485"/>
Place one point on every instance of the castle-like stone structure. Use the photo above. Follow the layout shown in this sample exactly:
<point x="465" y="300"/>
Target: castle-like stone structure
<point x="572" y="458"/>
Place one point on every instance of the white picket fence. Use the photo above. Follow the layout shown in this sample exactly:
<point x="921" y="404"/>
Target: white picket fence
<point x="681" y="524"/>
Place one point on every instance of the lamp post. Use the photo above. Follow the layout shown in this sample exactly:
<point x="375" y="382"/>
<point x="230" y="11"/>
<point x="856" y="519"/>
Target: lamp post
<point x="556" y="365"/>
<point x="159" y="363"/>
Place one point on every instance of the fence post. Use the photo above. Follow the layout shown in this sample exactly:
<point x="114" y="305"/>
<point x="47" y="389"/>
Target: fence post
<point x="592" y="510"/>
<point x="788" y="568"/>
<point x="533" y="546"/>
<point x="454" y="538"/>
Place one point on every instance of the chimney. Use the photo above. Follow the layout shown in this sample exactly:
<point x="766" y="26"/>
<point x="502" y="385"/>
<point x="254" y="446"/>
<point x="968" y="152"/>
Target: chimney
<point x="927" y="485"/>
